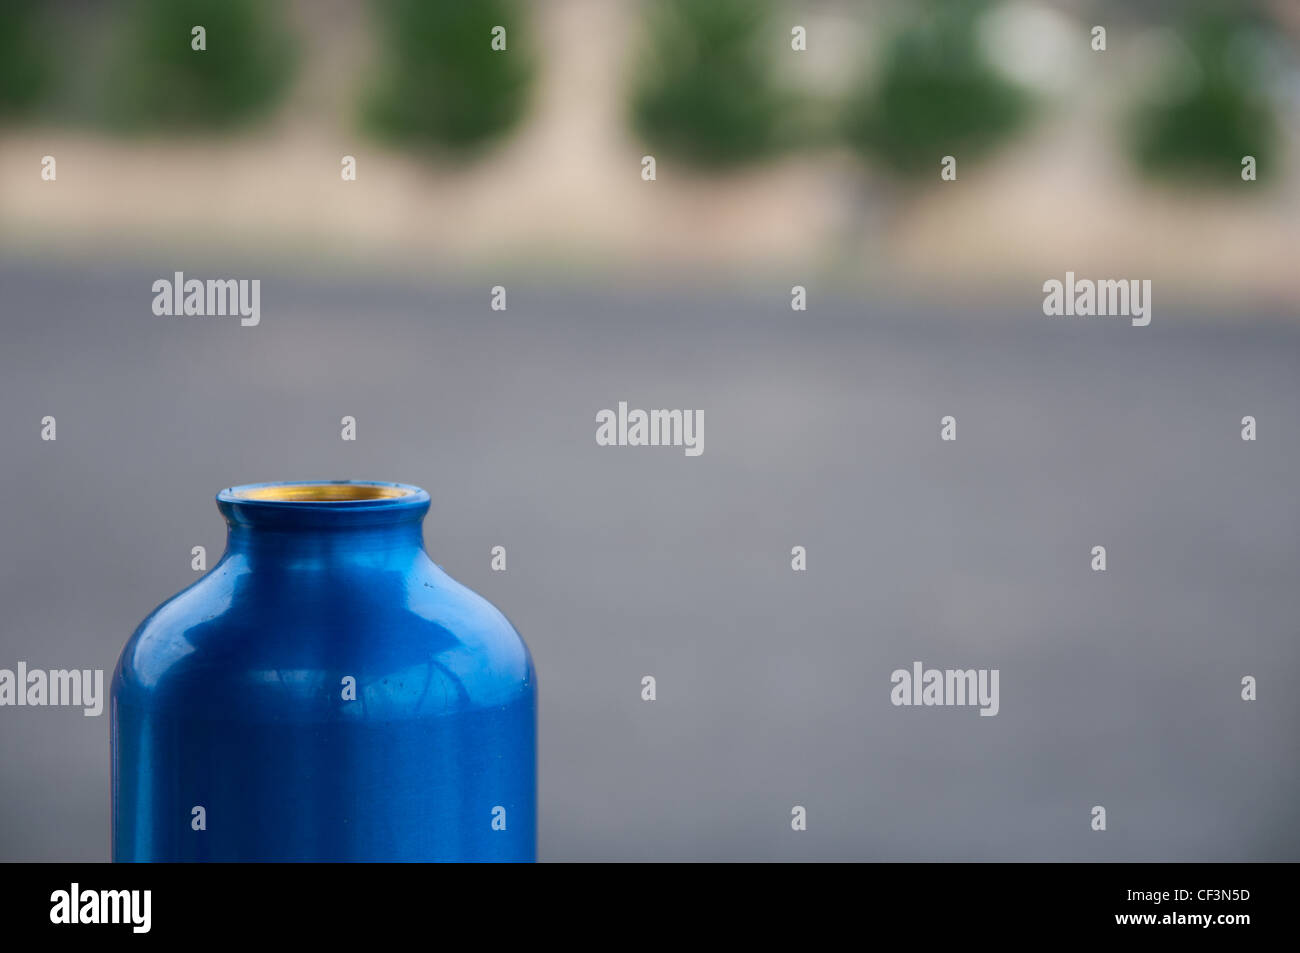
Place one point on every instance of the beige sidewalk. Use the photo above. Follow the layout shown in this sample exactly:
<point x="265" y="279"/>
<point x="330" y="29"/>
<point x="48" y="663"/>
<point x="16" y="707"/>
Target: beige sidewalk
<point x="567" y="187"/>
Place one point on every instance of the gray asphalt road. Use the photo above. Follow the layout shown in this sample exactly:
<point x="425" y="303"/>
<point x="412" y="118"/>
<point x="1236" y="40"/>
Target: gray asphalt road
<point x="1119" y="689"/>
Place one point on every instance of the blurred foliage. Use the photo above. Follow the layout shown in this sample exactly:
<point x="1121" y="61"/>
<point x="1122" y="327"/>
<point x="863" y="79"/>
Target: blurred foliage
<point x="442" y="83"/>
<point x="24" y="74"/>
<point x="1208" y="107"/>
<point x="704" y="88"/>
<point x="158" y="79"/>
<point x="935" y="94"/>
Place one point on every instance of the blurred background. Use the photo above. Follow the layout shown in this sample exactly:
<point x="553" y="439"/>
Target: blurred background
<point x="824" y="161"/>
<point x="774" y="167"/>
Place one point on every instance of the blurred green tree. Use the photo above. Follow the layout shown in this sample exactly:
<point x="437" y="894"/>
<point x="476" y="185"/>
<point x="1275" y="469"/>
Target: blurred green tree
<point x="935" y="94"/>
<point x="24" y="73"/>
<point x="441" y="82"/>
<point x="704" y="88"/>
<point x="158" y="79"/>
<point x="1208" y="106"/>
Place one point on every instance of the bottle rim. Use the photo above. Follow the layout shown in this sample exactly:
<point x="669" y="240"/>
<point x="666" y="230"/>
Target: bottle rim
<point x="324" y="492"/>
<point x="294" y="503"/>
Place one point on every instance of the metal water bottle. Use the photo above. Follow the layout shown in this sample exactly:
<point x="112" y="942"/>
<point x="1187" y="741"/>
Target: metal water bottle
<point x="325" y="693"/>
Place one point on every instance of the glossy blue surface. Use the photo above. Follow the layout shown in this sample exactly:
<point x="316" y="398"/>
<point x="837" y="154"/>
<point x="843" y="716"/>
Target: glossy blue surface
<point x="231" y="697"/>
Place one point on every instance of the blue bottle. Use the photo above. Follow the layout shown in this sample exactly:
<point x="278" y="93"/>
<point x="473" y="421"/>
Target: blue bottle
<point x="325" y="693"/>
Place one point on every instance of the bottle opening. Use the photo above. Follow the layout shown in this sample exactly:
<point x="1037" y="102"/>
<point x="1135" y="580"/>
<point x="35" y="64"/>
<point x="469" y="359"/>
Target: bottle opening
<point x="321" y="492"/>
<point x="326" y="503"/>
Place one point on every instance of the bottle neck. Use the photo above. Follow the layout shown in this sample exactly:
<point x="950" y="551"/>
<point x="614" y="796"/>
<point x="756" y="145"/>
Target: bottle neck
<point x="316" y="548"/>
<point x="324" y="526"/>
